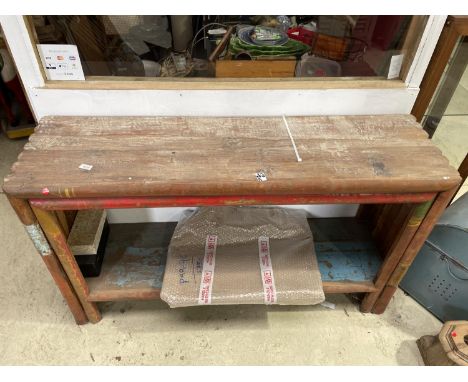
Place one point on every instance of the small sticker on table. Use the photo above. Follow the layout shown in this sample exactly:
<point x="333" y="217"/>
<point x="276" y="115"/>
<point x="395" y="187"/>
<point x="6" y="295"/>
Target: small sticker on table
<point x="85" y="167"/>
<point x="261" y="176"/>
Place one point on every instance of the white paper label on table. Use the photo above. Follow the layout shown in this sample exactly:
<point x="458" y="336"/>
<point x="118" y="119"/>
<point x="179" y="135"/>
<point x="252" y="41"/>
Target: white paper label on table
<point x="85" y="167"/>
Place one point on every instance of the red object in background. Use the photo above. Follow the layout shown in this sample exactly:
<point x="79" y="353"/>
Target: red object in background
<point x="6" y="105"/>
<point x="385" y="30"/>
<point x="12" y="98"/>
<point x="301" y="34"/>
<point x="15" y="87"/>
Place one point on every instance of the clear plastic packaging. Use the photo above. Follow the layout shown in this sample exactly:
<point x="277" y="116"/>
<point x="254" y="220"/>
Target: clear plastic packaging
<point x="238" y="269"/>
<point x="311" y="66"/>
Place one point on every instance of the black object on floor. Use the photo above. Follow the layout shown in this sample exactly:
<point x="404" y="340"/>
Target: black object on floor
<point x="90" y="265"/>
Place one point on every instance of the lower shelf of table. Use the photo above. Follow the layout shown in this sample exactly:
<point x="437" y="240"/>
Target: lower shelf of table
<point x="135" y="258"/>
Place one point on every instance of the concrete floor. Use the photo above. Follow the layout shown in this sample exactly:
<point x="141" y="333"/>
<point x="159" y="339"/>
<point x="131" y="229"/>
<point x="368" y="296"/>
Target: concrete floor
<point x="36" y="327"/>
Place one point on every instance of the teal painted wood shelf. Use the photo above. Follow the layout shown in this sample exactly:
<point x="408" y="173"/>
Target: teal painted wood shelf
<point x="135" y="258"/>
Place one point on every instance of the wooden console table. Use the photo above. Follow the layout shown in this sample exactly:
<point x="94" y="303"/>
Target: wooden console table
<point x="384" y="163"/>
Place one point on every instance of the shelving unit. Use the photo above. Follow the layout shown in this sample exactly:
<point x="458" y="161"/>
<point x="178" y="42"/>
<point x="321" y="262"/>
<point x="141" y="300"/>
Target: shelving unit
<point x="385" y="163"/>
<point x="133" y="267"/>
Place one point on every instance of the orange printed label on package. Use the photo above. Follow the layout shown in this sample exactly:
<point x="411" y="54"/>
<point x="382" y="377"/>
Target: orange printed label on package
<point x="206" y="282"/>
<point x="266" y="271"/>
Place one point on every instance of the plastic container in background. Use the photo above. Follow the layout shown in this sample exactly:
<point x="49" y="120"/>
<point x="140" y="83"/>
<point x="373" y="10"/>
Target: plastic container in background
<point x="311" y="66"/>
<point x="284" y="23"/>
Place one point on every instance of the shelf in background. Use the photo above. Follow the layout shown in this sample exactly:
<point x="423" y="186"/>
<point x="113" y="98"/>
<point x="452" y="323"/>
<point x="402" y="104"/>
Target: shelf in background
<point x="135" y="259"/>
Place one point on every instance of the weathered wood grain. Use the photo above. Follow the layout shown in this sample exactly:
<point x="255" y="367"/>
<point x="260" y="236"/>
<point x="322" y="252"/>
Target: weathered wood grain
<point x="154" y="156"/>
<point x="85" y="234"/>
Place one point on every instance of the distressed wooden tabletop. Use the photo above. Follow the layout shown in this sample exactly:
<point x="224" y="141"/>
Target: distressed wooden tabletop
<point x="172" y="156"/>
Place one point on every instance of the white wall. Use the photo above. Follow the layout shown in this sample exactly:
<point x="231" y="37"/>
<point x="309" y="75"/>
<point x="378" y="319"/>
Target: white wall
<point x="214" y="102"/>
<point x="223" y="102"/>
<point x="137" y="215"/>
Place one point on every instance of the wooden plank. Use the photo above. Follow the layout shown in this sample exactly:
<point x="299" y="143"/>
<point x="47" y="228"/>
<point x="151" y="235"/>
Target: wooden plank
<point x="395" y="221"/>
<point x="433" y="74"/>
<point x="384" y="226"/>
<point x="62" y="219"/>
<point x="71" y="203"/>
<point x="370" y="125"/>
<point x="29" y="23"/>
<point x="377" y="210"/>
<point x="135" y="257"/>
<point x="165" y="147"/>
<point x="222" y="44"/>
<point x="411" y="43"/>
<point x="58" y="242"/>
<point x="381" y="223"/>
<point x="100" y="295"/>
<point x="151" y="83"/>
<point x="447" y="86"/>
<point x="369" y="213"/>
<point x="329" y="287"/>
<point x="86" y="233"/>
<point x="332" y="287"/>
<point x="364" y="211"/>
<point x="463" y="171"/>
<point x="142" y="156"/>
<point x="70" y="216"/>
<point x="255" y="68"/>
<point x="461" y="24"/>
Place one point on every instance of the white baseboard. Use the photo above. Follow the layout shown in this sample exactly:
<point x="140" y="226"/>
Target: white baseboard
<point x="144" y="215"/>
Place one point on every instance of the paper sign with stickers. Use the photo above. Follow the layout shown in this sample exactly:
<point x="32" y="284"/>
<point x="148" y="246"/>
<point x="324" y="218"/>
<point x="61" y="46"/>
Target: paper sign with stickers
<point x="61" y="62"/>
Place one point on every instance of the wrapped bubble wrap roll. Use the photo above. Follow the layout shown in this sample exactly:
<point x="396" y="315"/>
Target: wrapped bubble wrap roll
<point x="242" y="255"/>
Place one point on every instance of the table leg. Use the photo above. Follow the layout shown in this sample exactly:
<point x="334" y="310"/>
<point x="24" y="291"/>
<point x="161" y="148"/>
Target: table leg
<point x="424" y="230"/>
<point x="396" y="251"/>
<point x="53" y="230"/>
<point x="26" y="216"/>
<point x="62" y="218"/>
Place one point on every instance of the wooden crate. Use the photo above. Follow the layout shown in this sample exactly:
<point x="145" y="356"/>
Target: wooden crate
<point x="255" y="68"/>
